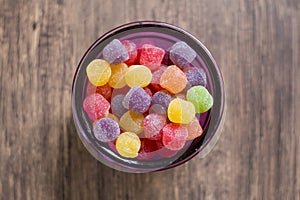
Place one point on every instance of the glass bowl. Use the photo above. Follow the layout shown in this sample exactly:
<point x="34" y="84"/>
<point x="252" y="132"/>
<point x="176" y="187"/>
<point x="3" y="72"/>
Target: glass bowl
<point x="163" y="35"/>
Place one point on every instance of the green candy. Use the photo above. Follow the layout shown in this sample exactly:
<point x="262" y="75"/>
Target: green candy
<point x="200" y="97"/>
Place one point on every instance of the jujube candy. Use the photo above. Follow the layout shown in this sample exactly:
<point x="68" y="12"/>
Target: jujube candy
<point x="173" y="79"/>
<point x="96" y="106"/>
<point x="153" y="124"/>
<point x="182" y="54"/>
<point x="201" y="98"/>
<point x="128" y="145"/>
<point x="181" y="111"/>
<point x="132" y="122"/>
<point x="174" y="136"/>
<point x="151" y="56"/>
<point x="106" y="130"/>
<point x="137" y="100"/>
<point x="115" y="53"/>
<point x="162" y="98"/>
<point x="98" y="72"/>
<point x="138" y="75"/>
<point x="196" y="76"/>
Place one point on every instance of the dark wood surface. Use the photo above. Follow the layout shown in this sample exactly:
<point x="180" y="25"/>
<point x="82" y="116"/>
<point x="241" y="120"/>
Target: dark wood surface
<point x="257" y="45"/>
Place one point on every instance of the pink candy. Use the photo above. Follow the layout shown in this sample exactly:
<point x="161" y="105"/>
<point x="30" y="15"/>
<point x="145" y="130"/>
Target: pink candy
<point x="151" y="56"/>
<point x="96" y="106"/>
<point x="153" y="124"/>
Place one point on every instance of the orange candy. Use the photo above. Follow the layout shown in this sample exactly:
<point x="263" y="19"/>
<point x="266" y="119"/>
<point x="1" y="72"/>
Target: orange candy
<point x="173" y="79"/>
<point x="104" y="90"/>
<point x="194" y="129"/>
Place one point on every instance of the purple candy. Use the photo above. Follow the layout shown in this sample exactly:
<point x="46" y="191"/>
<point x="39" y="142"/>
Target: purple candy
<point x="106" y="130"/>
<point x="161" y="98"/>
<point x="115" y="52"/>
<point x="126" y="99"/>
<point x="182" y="54"/>
<point x="137" y="100"/>
<point x="195" y="77"/>
<point x="116" y="105"/>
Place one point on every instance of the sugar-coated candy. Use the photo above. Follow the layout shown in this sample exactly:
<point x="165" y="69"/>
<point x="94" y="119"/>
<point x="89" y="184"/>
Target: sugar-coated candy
<point x="98" y="72"/>
<point x="173" y="79"/>
<point x="132" y="51"/>
<point x="181" y="111"/>
<point x="153" y="124"/>
<point x="117" y="78"/>
<point x="174" y="136"/>
<point x="162" y="98"/>
<point x="116" y="105"/>
<point x="155" y="82"/>
<point x="137" y="100"/>
<point x="147" y="150"/>
<point x="163" y="151"/>
<point x="200" y="97"/>
<point x="182" y="54"/>
<point x="106" y="130"/>
<point x="138" y="75"/>
<point x="195" y="77"/>
<point x="194" y="129"/>
<point x="151" y="56"/>
<point x="158" y="109"/>
<point x="115" y="53"/>
<point x="128" y="145"/>
<point x="96" y="106"/>
<point x="104" y="90"/>
<point x="132" y="122"/>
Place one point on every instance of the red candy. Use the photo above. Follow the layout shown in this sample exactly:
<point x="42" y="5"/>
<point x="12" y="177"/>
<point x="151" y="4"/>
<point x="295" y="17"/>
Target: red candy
<point x="151" y="56"/>
<point x="104" y="90"/>
<point x="147" y="150"/>
<point x="174" y="136"/>
<point x="96" y="106"/>
<point x="132" y="51"/>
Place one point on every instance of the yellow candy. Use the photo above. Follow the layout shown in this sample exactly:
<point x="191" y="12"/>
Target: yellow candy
<point x="98" y="72"/>
<point x="138" y="75"/>
<point x="132" y="122"/>
<point x="117" y="78"/>
<point x="128" y="145"/>
<point x="181" y="111"/>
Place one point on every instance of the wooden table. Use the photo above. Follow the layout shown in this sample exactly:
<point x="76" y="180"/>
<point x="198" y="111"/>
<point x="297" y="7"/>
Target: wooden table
<point x="257" y="45"/>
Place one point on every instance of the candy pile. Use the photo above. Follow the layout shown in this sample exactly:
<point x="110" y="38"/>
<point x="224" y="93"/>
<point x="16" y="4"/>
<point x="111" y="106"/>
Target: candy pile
<point x="159" y="110"/>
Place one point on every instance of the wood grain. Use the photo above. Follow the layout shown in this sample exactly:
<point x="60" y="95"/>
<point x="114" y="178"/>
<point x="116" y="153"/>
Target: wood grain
<point x="256" y="44"/>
